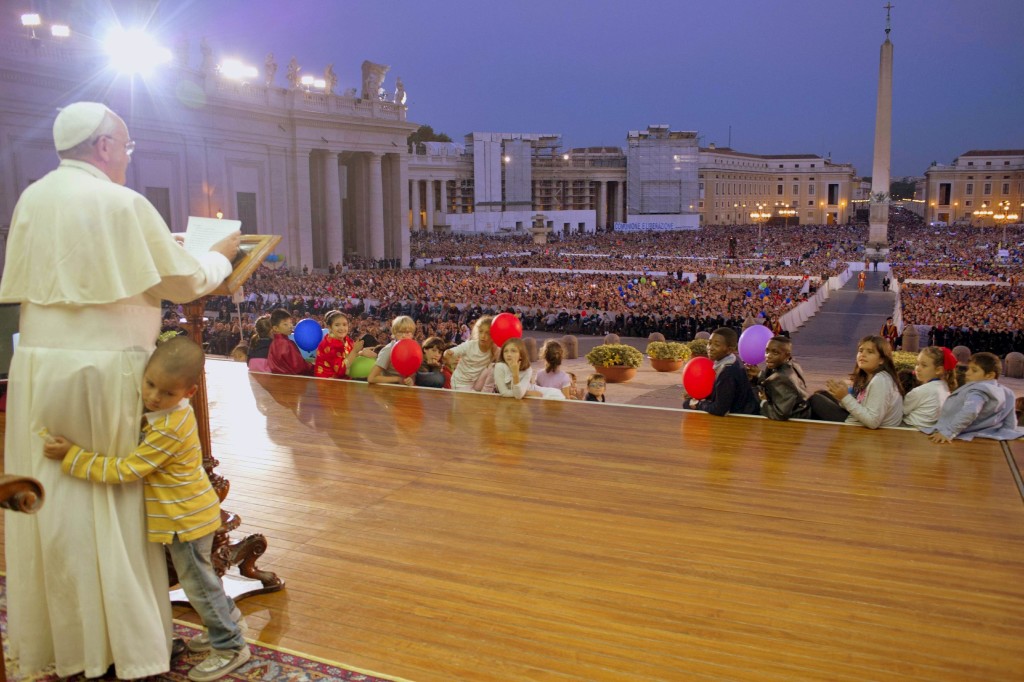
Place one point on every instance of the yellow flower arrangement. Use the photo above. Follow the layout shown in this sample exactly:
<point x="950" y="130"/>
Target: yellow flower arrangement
<point x="615" y="355"/>
<point x="904" y="359"/>
<point x="668" y="350"/>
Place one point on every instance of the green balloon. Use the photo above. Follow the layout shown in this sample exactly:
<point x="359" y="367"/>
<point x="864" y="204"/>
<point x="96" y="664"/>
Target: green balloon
<point x="360" y="368"/>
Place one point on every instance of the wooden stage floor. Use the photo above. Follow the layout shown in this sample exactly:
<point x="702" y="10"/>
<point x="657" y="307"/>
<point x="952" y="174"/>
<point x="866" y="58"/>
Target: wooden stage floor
<point x="430" y="535"/>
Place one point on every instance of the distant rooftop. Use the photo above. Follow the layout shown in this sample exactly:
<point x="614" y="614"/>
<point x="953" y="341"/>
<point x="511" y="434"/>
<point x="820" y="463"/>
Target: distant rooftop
<point x="994" y="152"/>
<point x="728" y="150"/>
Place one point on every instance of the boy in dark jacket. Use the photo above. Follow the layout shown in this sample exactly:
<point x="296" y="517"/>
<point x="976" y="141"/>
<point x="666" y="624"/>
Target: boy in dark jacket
<point x="781" y="384"/>
<point x="731" y="392"/>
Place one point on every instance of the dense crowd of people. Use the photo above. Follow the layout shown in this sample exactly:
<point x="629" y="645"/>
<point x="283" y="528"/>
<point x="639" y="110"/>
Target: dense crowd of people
<point x="957" y="253"/>
<point x="819" y="250"/>
<point x="613" y="283"/>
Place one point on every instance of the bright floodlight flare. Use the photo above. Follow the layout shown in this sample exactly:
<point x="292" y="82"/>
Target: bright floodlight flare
<point x="60" y="31"/>
<point x="320" y="83"/>
<point x="134" y="51"/>
<point x="307" y="80"/>
<point x="31" y="20"/>
<point x="236" y="70"/>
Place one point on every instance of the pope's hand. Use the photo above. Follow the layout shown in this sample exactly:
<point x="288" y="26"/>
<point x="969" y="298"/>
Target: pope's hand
<point x="228" y="247"/>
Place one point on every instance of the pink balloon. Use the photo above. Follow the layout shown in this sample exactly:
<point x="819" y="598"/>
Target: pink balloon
<point x="406" y="357"/>
<point x="699" y="377"/>
<point x="505" y="326"/>
<point x="752" y="343"/>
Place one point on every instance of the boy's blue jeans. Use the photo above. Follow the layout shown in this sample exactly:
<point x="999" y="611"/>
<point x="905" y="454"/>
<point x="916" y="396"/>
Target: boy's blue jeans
<point x="205" y="592"/>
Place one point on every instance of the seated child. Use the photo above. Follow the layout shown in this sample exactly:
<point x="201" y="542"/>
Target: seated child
<point x="981" y="408"/>
<point x="781" y="385"/>
<point x="402" y="327"/>
<point x="259" y="345"/>
<point x="336" y="351"/>
<point x="284" y="356"/>
<point x="575" y="392"/>
<point x="552" y="376"/>
<point x="513" y="374"/>
<point x="921" y="405"/>
<point x="731" y="392"/>
<point x="170" y="461"/>
<point x="473" y="357"/>
<point x="432" y="374"/>
<point x="595" y="388"/>
<point x="875" y="397"/>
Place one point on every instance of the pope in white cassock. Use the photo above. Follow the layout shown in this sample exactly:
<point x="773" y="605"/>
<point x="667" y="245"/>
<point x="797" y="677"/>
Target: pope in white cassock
<point x="89" y="261"/>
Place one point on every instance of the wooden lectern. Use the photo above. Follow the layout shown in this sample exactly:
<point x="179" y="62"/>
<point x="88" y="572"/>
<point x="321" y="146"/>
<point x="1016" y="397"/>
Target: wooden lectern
<point x="243" y="553"/>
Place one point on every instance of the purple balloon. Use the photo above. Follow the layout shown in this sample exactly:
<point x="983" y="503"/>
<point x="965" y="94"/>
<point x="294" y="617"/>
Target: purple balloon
<point x="752" y="343"/>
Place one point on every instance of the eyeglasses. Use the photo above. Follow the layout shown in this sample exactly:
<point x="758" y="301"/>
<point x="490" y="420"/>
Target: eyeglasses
<point x="129" y="146"/>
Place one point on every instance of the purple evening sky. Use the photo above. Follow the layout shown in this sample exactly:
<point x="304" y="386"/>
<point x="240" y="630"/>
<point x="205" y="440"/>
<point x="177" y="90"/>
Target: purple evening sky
<point x="789" y="76"/>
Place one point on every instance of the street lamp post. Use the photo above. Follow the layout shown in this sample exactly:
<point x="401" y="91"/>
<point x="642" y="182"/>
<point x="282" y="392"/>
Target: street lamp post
<point x="760" y="216"/>
<point x="1004" y="216"/>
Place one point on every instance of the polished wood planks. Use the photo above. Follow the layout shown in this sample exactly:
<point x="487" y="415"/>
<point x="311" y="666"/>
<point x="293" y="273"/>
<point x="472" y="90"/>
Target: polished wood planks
<point x="438" y="536"/>
<point x="434" y="535"/>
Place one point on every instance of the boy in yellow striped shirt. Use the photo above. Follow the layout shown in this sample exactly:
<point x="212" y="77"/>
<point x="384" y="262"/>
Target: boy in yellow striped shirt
<point x="182" y="508"/>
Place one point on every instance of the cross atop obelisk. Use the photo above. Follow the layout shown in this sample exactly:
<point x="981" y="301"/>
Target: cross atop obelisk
<point x="879" y="232"/>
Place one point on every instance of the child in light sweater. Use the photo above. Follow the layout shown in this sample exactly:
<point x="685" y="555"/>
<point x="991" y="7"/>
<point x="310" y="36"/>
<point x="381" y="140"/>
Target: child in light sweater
<point x="981" y="408"/>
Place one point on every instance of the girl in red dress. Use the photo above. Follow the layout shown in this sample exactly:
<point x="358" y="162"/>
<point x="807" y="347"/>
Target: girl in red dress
<point x="337" y="350"/>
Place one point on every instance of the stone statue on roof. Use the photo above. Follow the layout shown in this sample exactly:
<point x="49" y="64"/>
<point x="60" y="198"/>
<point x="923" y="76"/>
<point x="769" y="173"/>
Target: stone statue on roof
<point x="270" y="69"/>
<point x="400" y="96"/>
<point x="293" y="73"/>
<point x="373" y="79"/>
<point x="330" y="79"/>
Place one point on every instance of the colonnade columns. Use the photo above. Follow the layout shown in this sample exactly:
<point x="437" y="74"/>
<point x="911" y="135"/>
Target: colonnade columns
<point x="376" y="201"/>
<point x="602" y="205"/>
<point x="430" y="206"/>
<point x="415" y="223"/>
<point x="399" y="172"/>
<point x="300" y="251"/>
<point x="332" y="209"/>
<point x="444" y="202"/>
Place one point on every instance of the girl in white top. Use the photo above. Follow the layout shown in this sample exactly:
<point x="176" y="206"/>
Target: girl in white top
<point x="922" y="405"/>
<point x="875" y="398"/>
<point x="474" y="356"/>
<point x="513" y="376"/>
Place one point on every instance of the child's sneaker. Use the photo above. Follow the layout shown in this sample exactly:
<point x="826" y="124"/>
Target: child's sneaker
<point x="218" y="664"/>
<point x="201" y="642"/>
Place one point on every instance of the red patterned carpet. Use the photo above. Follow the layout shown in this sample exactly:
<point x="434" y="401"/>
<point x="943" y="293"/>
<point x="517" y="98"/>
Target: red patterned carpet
<point x="266" y="665"/>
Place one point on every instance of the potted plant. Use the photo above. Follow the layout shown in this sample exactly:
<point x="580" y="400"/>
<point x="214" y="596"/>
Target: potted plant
<point x="667" y="356"/>
<point x="904" y="359"/>
<point x="616" y="361"/>
<point x="698" y="348"/>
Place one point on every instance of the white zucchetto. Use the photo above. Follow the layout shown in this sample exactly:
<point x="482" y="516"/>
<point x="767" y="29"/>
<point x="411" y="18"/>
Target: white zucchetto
<point x="76" y="123"/>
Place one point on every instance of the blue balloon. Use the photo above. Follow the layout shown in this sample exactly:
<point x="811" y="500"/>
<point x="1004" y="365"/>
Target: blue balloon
<point x="629" y="286"/>
<point x="693" y="301"/>
<point x="767" y="292"/>
<point x="308" y="335"/>
<point x="747" y="293"/>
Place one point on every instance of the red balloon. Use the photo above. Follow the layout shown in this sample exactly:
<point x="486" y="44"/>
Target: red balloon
<point x="699" y="377"/>
<point x="504" y="327"/>
<point x="406" y="357"/>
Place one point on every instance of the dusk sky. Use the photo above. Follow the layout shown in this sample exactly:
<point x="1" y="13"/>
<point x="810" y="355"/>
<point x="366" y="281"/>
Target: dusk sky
<point x="790" y="76"/>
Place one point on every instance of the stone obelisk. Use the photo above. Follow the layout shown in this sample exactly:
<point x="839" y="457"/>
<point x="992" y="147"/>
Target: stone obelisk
<point x="883" y="144"/>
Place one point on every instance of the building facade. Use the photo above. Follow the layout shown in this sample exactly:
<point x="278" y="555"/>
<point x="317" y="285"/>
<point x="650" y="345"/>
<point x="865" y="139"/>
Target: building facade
<point x="972" y="188"/>
<point x="327" y="172"/>
<point x="672" y="180"/>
